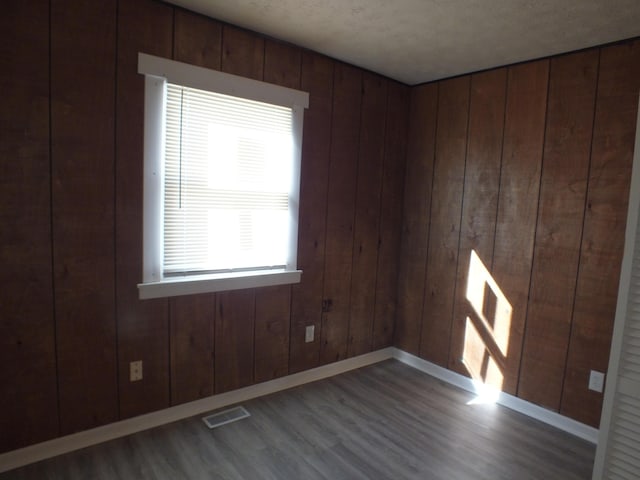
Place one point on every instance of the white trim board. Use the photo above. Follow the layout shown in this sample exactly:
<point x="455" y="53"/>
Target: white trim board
<point x="58" y="446"/>
<point x="549" y="417"/>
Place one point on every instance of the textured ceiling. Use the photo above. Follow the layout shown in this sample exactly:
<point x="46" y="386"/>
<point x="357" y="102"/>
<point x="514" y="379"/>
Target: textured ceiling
<point x="416" y="41"/>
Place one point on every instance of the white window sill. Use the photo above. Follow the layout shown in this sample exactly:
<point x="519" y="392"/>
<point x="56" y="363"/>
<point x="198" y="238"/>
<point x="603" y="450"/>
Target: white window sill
<point x="188" y="285"/>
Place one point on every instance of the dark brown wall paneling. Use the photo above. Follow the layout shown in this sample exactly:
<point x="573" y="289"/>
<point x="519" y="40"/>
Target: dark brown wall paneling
<point x="196" y="40"/>
<point x="27" y="338"/>
<point x="343" y="169"/>
<point x="518" y="202"/>
<point x="561" y="243"/>
<point x="191" y="333"/>
<point x="604" y="228"/>
<point x="82" y="150"/>
<point x="390" y="218"/>
<point x="242" y="53"/>
<point x="143" y="328"/>
<point x="235" y="314"/>
<point x="367" y="221"/>
<point x="282" y="64"/>
<point x="98" y="100"/>
<point x="556" y="251"/>
<point x="273" y="305"/>
<point x="572" y="90"/>
<point x="446" y="209"/>
<point x="477" y="229"/>
<point x="306" y="300"/>
<point x="415" y="217"/>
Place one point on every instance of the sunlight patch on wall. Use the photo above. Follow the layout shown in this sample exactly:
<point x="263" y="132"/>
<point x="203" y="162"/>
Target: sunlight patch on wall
<point x="478" y="359"/>
<point x="487" y="331"/>
<point x="489" y="302"/>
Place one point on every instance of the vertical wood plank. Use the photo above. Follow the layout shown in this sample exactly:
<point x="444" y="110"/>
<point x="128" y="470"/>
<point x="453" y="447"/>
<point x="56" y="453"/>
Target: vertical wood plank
<point x="27" y="330"/>
<point x="242" y="53"/>
<point x="604" y="229"/>
<point x="191" y="321"/>
<point x="572" y="89"/>
<point x="446" y="208"/>
<point x="415" y="217"/>
<point x="343" y="167"/>
<point x="282" y="64"/>
<point x="306" y="299"/>
<point x="367" y="220"/>
<point x="391" y="214"/>
<point x="518" y="202"/>
<point x="234" y="325"/>
<point x="477" y="229"/>
<point x="82" y="149"/>
<point x="197" y="40"/>
<point x="273" y="305"/>
<point x="143" y="326"/>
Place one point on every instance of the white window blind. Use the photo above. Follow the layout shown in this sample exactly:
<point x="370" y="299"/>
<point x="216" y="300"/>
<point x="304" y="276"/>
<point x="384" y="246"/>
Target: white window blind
<point x="222" y="158"/>
<point x="228" y="164"/>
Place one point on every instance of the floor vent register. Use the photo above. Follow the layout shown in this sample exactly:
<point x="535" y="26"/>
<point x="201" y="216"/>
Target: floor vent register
<point x="227" y="416"/>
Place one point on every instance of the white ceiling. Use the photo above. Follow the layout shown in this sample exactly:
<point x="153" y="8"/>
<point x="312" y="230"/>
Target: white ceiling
<point x="416" y="41"/>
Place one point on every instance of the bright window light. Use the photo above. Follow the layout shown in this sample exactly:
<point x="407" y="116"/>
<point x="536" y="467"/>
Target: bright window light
<point x="226" y="188"/>
<point x="222" y="170"/>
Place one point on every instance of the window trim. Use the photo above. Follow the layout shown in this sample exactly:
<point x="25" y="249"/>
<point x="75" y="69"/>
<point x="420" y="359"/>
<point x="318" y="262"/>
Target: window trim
<point x="158" y="72"/>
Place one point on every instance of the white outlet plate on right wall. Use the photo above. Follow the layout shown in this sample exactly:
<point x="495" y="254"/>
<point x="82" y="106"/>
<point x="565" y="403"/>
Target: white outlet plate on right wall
<point x="596" y="381"/>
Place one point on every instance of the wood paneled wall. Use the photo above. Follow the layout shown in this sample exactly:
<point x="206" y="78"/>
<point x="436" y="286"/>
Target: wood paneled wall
<point x="71" y="142"/>
<point x="528" y="167"/>
<point x="28" y="385"/>
<point x="525" y="166"/>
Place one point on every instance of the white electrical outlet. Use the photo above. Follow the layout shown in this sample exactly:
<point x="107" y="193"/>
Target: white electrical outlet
<point x="596" y="381"/>
<point x="309" y="333"/>
<point x="135" y="371"/>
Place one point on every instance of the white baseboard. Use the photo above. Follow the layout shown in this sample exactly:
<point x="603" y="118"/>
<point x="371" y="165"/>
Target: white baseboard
<point x="87" y="438"/>
<point x="554" y="419"/>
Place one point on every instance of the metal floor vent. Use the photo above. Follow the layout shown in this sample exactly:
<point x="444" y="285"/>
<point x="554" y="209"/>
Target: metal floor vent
<point x="226" y="416"/>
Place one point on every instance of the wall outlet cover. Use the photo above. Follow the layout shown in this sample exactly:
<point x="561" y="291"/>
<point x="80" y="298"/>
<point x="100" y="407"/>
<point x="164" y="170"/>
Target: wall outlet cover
<point x="135" y="371"/>
<point x="596" y="381"/>
<point x="309" y="333"/>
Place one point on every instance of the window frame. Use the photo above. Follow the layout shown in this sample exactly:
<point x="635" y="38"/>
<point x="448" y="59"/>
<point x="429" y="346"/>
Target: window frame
<point x="158" y="72"/>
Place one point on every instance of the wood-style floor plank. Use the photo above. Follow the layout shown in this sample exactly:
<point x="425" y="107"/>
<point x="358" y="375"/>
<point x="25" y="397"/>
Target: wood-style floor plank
<point x="385" y="421"/>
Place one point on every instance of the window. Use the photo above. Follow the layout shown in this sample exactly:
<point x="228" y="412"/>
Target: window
<point x="221" y="180"/>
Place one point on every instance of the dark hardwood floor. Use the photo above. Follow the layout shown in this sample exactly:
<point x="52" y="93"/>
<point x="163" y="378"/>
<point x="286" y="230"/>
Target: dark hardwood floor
<point x="385" y="421"/>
